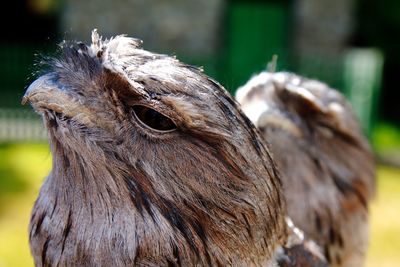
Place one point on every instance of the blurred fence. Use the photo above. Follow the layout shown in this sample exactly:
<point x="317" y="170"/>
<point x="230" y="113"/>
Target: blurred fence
<point x="18" y="125"/>
<point x="362" y="73"/>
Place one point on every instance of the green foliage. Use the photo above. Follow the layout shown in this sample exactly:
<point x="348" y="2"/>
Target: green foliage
<point x="386" y="137"/>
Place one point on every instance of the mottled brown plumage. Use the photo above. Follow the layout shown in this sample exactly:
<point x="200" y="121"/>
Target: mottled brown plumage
<point x="326" y="165"/>
<point x="153" y="165"/>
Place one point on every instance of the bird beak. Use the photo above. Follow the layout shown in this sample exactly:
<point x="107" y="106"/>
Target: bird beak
<point x="44" y="94"/>
<point x="39" y="87"/>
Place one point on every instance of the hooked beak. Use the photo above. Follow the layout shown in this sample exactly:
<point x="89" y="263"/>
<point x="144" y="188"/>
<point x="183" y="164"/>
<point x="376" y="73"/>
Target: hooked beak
<point x="44" y="94"/>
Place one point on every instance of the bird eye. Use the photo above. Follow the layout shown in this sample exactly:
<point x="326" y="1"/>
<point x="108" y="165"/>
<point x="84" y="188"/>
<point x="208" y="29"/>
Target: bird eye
<point x="153" y="119"/>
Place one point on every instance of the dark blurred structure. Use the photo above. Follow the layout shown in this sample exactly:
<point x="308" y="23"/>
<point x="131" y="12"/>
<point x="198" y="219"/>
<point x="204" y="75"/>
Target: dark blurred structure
<point x="231" y="39"/>
<point x="379" y="26"/>
<point x="28" y="27"/>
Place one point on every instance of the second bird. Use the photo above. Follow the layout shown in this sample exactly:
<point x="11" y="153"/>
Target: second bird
<point x="326" y="165"/>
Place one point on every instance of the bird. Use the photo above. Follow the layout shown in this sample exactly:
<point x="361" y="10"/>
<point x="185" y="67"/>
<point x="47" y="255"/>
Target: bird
<point x="153" y="164"/>
<point x="325" y="161"/>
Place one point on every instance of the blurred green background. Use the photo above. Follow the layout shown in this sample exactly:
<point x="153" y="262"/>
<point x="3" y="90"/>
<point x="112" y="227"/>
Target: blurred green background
<point x="352" y="45"/>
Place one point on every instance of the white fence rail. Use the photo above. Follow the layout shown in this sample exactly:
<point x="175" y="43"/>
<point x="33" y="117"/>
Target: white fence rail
<point x="18" y="125"/>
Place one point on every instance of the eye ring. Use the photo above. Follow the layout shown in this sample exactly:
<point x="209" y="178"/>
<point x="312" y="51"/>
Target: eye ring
<point x="152" y="119"/>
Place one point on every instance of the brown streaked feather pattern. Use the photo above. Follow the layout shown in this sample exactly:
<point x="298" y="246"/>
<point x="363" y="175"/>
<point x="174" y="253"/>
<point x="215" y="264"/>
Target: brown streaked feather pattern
<point x="120" y="194"/>
<point x="326" y="165"/>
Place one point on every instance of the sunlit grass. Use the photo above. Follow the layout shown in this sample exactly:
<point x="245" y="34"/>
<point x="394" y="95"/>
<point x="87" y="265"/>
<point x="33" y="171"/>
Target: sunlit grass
<point x="28" y="164"/>
<point x="23" y="167"/>
<point x="385" y="220"/>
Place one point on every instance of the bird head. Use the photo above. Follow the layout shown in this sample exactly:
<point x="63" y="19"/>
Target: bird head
<point x="153" y="151"/>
